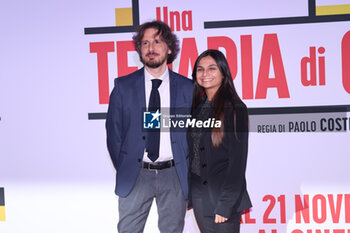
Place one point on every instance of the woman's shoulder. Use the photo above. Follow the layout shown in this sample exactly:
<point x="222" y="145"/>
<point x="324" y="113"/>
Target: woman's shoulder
<point x="237" y="113"/>
<point x="238" y="106"/>
<point x="241" y="109"/>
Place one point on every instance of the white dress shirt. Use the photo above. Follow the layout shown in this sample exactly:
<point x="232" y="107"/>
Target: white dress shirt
<point x="165" y="152"/>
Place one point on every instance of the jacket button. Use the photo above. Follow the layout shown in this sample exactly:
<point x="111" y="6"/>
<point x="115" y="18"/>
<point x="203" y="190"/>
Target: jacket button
<point x="204" y="165"/>
<point x="139" y="160"/>
<point x="202" y="148"/>
<point x="143" y="137"/>
<point x="205" y="182"/>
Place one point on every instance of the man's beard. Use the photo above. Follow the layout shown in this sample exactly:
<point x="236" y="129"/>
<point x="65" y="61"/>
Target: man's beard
<point x="153" y="63"/>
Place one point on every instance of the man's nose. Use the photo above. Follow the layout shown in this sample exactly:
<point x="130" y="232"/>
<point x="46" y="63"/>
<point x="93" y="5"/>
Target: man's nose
<point x="151" y="46"/>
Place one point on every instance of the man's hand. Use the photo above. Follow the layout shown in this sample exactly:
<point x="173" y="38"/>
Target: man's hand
<point x="219" y="219"/>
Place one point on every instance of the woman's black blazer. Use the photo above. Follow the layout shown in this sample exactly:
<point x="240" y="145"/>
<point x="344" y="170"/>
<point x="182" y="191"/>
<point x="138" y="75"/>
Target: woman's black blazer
<point x="223" y="183"/>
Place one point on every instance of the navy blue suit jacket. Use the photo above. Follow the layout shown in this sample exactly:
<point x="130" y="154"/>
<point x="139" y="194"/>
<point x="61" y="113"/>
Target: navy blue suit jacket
<point x="126" y="141"/>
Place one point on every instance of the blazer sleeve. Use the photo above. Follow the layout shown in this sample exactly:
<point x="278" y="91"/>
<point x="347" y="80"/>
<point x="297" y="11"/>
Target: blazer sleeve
<point x="114" y="122"/>
<point x="234" y="184"/>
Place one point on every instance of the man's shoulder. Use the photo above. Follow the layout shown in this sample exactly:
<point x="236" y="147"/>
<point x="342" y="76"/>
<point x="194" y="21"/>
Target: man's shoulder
<point x="129" y="78"/>
<point x="182" y="79"/>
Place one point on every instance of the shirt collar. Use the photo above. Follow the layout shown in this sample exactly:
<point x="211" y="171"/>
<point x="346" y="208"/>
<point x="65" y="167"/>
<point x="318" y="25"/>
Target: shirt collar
<point x="164" y="77"/>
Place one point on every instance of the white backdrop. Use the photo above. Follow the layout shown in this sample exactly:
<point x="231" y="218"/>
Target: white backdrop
<point x="54" y="165"/>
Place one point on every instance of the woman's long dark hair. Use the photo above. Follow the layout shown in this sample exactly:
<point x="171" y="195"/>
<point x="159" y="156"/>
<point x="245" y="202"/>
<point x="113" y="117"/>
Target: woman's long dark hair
<point x="226" y="95"/>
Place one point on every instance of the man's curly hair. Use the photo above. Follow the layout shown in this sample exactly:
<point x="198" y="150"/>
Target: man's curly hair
<point x="165" y="33"/>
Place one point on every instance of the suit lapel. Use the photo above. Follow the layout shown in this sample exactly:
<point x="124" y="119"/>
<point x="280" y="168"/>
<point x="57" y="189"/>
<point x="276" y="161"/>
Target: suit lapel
<point x="173" y="91"/>
<point x="140" y="88"/>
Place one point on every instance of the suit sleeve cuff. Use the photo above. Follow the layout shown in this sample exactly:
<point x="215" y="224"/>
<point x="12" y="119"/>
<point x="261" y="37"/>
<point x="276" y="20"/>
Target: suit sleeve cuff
<point x="223" y="211"/>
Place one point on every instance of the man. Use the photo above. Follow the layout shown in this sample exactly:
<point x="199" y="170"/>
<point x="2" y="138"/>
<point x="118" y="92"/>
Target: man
<point x="149" y="164"/>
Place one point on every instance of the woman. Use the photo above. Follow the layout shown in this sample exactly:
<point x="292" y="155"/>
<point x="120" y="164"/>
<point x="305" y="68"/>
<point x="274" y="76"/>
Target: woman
<point x="217" y="156"/>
